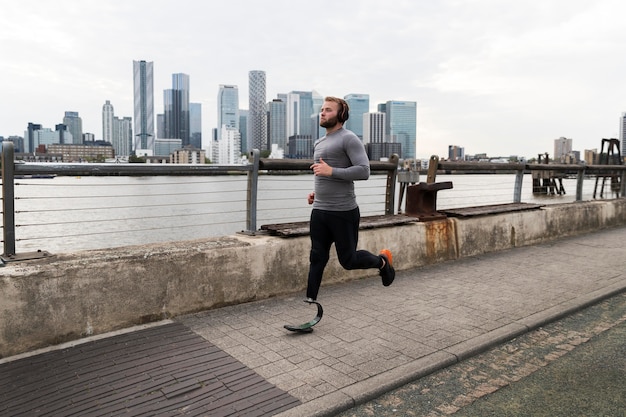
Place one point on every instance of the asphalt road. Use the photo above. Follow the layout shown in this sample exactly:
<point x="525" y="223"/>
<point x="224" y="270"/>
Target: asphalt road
<point x="573" y="367"/>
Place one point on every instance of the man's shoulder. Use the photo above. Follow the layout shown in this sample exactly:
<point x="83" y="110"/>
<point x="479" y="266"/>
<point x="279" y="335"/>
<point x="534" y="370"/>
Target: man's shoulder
<point x="349" y="136"/>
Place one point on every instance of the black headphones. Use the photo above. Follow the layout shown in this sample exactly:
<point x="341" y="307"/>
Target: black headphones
<point x="344" y="111"/>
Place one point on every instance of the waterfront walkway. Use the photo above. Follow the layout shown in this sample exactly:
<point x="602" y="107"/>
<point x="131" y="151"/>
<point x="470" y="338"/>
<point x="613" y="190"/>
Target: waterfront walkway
<point x="239" y="360"/>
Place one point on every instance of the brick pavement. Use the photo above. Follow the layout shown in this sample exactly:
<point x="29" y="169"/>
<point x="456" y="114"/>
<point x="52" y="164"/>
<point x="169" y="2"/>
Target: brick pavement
<point x="373" y="339"/>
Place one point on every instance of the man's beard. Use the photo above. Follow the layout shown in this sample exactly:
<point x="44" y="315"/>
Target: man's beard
<point x="332" y="122"/>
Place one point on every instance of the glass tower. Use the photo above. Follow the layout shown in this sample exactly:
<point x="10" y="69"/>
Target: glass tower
<point x="277" y="123"/>
<point x="227" y="108"/>
<point x="359" y="105"/>
<point x="257" y="114"/>
<point x="143" y="95"/>
<point x="401" y="125"/>
<point x="74" y="125"/>
<point x="195" y="125"/>
<point x="300" y="108"/>
<point x="176" y="103"/>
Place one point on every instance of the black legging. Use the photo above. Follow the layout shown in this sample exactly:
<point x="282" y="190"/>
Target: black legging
<point x="342" y="228"/>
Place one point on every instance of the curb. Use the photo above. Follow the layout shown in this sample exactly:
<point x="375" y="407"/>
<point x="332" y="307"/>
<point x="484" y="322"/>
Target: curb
<point x="372" y="388"/>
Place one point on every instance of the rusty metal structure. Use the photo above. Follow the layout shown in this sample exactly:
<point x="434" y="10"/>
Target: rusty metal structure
<point x="421" y="198"/>
<point x="611" y="157"/>
<point x="547" y="182"/>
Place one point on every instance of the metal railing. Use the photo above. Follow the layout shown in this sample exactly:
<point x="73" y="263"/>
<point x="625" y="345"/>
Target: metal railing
<point x="581" y="171"/>
<point x="12" y="168"/>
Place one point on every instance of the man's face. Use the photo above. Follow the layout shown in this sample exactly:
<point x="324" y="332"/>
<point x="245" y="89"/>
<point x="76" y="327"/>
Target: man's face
<point x="328" y="114"/>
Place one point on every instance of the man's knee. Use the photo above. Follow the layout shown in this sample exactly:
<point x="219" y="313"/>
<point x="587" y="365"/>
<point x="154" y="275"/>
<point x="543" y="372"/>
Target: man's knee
<point x="318" y="256"/>
<point x="348" y="263"/>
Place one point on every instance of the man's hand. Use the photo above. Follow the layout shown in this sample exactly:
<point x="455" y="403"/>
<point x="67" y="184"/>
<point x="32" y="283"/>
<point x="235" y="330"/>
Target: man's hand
<point x="322" y="169"/>
<point x="311" y="198"/>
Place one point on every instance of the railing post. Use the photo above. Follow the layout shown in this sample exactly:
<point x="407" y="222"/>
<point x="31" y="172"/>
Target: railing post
<point x="433" y="165"/>
<point x="8" y="197"/>
<point x="579" y="184"/>
<point x="252" y="194"/>
<point x="517" y="192"/>
<point x="390" y="190"/>
<point x="623" y="185"/>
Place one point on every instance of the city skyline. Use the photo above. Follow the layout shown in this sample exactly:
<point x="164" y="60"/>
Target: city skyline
<point x="500" y="77"/>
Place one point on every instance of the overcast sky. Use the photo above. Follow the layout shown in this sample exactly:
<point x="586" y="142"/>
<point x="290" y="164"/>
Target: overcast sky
<point x="494" y="76"/>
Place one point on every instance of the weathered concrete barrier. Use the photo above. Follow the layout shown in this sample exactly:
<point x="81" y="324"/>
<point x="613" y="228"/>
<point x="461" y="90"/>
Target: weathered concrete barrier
<point x="69" y="296"/>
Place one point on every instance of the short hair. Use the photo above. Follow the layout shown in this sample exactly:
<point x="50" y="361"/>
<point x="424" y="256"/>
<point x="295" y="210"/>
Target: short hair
<point x="344" y="110"/>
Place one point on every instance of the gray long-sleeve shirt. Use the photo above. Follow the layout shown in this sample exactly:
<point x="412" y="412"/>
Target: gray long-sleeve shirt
<point x="345" y="153"/>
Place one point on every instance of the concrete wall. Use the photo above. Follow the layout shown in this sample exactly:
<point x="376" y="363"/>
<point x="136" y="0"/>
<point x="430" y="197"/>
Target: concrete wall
<point x="69" y="296"/>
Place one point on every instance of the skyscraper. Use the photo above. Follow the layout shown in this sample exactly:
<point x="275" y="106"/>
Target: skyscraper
<point x="373" y="127"/>
<point x="107" y="122"/>
<point x="375" y="139"/>
<point x="143" y="95"/>
<point x="277" y="123"/>
<point x="227" y="108"/>
<point x="402" y="125"/>
<point x="300" y="108"/>
<point x="29" y="140"/>
<point x="74" y="125"/>
<point x="195" y="125"/>
<point x="359" y="105"/>
<point x="176" y="102"/>
<point x="243" y="129"/>
<point x="61" y="130"/>
<point x="562" y="148"/>
<point x="257" y="114"/>
<point x="122" y="140"/>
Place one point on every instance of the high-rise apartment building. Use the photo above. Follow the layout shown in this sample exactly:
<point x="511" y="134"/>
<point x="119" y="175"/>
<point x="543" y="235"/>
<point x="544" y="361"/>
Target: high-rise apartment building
<point x="176" y="102"/>
<point x="107" y="122"/>
<point x="373" y="127"/>
<point x="375" y="138"/>
<point x="116" y="131"/>
<point x="143" y="95"/>
<point x="122" y="140"/>
<point x="257" y="113"/>
<point x="359" y="105"/>
<point x="402" y="125"/>
<point x="74" y="125"/>
<point x="562" y="148"/>
<point x="227" y="108"/>
<point x="195" y="125"/>
<point x="228" y="147"/>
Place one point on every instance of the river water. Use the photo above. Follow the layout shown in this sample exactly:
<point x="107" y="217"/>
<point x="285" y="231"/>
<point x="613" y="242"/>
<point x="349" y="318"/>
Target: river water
<point x="66" y="214"/>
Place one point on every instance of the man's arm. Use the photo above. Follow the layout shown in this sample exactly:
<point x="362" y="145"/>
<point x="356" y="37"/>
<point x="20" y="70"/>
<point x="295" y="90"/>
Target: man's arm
<point x="360" y="168"/>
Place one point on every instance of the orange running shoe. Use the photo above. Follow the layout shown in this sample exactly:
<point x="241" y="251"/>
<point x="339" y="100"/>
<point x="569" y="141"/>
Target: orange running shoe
<point x="387" y="273"/>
